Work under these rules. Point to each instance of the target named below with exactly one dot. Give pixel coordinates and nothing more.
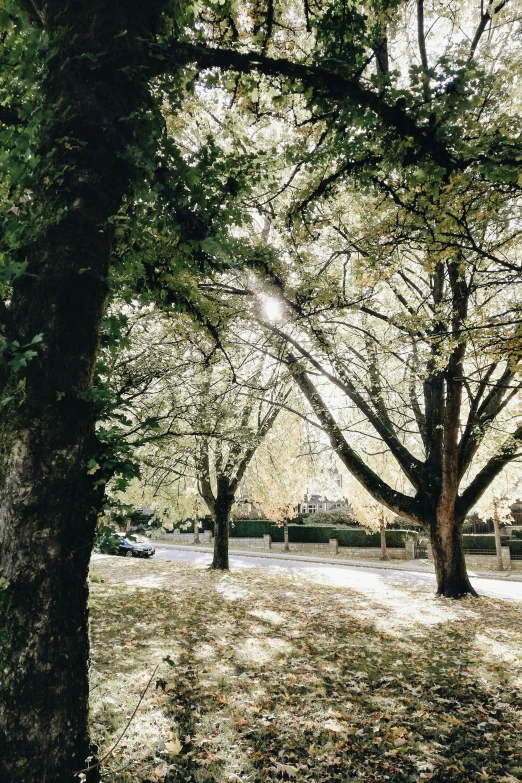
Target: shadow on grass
(276, 678)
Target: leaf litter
(287, 677)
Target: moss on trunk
(48, 501)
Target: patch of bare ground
(275, 675)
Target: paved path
(348, 575)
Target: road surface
(347, 575)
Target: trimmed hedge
(349, 537)
(394, 538)
(515, 547)
(488, 542)
(251, 528)
(314, 534)
(479, 542)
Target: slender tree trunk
(222, 508)
(285, 536)
(448, 555)
(47, 497)
(196, 522)
(384, 553)
(498, 542)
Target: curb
(386, 565)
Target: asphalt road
(346, 575)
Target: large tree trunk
(47, 497)
(448, 556)
(222, 508)
(46, 535)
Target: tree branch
(334, 84)
(412, 467)
(421, 36)
(396, 501)
(484, 19)
(490, 471)
(204, 483)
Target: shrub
(488, 542)
(394, 538)
(251, 528)
(479, 542)
(310, 534)
(333, 518)
(515, 547)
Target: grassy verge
(281, 676)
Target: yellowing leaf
(174, 747)
(287, 769)
(334, 725)
(452, 720)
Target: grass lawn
(281, 675)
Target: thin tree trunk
(196, 522)
(448, 556)
(498, 542)
(384, 553)
(222, 508)
(285, 536)
(47, 497)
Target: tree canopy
(342, 178)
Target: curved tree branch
(396, 501)
(334, 84)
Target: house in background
(313, 501)
(516, 512)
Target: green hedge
(515, 546)
(353, 537)
(394, 538)
(251, 528)
(479, 542)
(488, 542)
(314, 534)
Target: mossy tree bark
(47, 498)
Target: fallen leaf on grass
(174, 747)
(334, 725)
(285, 769)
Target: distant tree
(195, 413)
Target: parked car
(129, 548)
